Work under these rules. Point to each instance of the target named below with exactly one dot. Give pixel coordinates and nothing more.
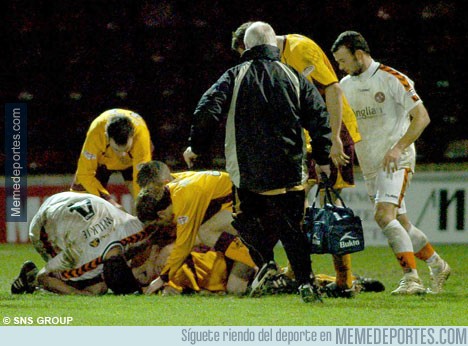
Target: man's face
(347, 62)
(166, 216)
(121, 150)
(240, 50)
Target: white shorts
(389, 188)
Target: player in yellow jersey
(207, 270)
(194, 202)
(118, 140)
(306, 57)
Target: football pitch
(366, 309)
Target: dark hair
(238, 36)
(152, 172)
(150, 201)
(352, 40)
(119, 277)
(120, 128)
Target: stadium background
(71, 60)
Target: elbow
(427, 121)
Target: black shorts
(103, 174)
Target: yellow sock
(344, 277)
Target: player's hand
(337, 154)
(391, 158)
(170, 291)
(190, 157)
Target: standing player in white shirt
(391, 116)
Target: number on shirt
(84, 208)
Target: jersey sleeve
(88, 164)
(320, 72)
(403, 91)
(189, 206)
(313, 65)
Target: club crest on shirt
(182, 220)
(308, 70)
(95, 242)
(379, 97)
(88, 155)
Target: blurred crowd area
(71, 60)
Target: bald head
(259, 33)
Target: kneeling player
(83, 239)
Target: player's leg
(390, 190)
(218, 232)
(438, 268)
(26, 281)
(52, 283)
(239, 278)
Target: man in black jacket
(267, 105)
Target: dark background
(71, 60)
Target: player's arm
(141, 153)
(88, 164)
(323, 74)
(334, 102)
(186, 237)
(420, 120)
(209, 111)
(52, 283)
(402, 91)
(316, 120)
(190, 205)
(50, 278)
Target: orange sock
(234, 248)
(425, 253)
(344, 277)
(407, 261)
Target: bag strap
(326, 184)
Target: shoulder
(346, 80)
(391, 73)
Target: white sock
(433, 259)
(397, 237)
(418, 238)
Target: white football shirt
(381, 98)
(73, 229)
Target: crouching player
(199, 205)
(84, 240)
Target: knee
(383, 216)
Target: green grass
(370, 309)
